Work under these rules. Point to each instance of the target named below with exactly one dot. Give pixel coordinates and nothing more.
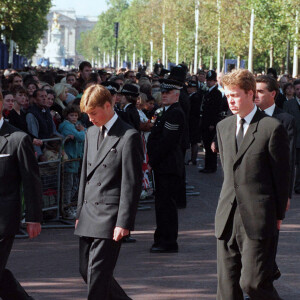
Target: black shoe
(128, 239)
(207, 171)
(297, 192)
(247, 298)
(191, 162)
(163, 249)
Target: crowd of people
(171, 110)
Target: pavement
(48, 265)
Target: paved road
(48, 265)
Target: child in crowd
(74, 149)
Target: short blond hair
(93, 96)
(244, 79)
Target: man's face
(100, 115)
(297, 91)
(149, 105)
(132, 77)
(20, 98)
(119, 82)
(85, 73)
(71, 80)
(201, 77)
(17, 81)
(210, 83)
(239, 101)
(169, 97)
(264, 98)
(283, 81)
(41, 98)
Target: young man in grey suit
(18, 165)
(254, 152)
(109, 191)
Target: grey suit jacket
(257, 176)
(111, 181)
(18, 165)
(292, 107)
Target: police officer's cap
(211, 75)
(130, 90)
(113, 87)
(170, 84)
(163, 72)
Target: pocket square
(4, 155)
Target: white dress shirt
(247, 119)
(1, 122)
(109, 124)
(270, 110)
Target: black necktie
(240, 135)
(101, 137)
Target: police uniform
(211, 115)
(166, 160)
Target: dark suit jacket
(164, 143)
(292, 107)
(111, 181)
(288, 122)
(19, 166)
(257, 177)
(132, 117)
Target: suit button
(97, 203)
(99, 183)
(85, 201)
(89, 164)
(88, 182)
(104, 166)
(236, 186)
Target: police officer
(166, 160)
(211, 115)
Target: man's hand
(288, 204)
(33, 229)
(37, 142)
(119, 233)
(279, 224)
(76, 223)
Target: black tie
(101, 137)
(240, 135)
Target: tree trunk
(196, 35)
(250, 55)
(133, 58)
(271, 56)
(238, 62)
(177, 47)
(163, 44)
(211, 65)
(219, 37)
(295, 59)
(287, 71)
(200, 59)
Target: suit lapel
(110, 140)
(249, 136)
(231, 137)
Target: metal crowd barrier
(50, 172)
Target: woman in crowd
(31, 86)
(49, 104)
(8, 103)
(130, 94)
(61, 91)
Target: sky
(82, 7)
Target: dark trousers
(210, 157)
(166, 193)
(297, 176)
(10, 288)
(97, 260)
(244, 264)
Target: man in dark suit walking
(18, 166)
(293, 107)
(110, 187)
(254, 152)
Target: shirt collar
(111, 122)
(249, 117)
(126, 106)
(298, 100)
(1, 122)
(270, 110)
(211, 88)
(166, 107)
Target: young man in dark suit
(18, 165)
(254, 152)
(109, 191)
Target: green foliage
(25, 22)
(141, 21)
